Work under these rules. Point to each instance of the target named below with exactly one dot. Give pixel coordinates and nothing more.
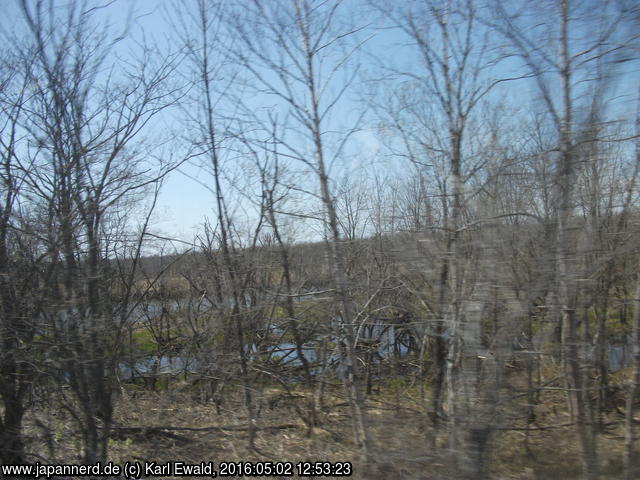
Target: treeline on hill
(474, 314)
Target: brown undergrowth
(166, 426)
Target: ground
(179, 428)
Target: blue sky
(184, 203)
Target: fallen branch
(548, 427)
(163, 430)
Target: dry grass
(403, 450)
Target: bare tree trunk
(297, 53)
(352, 379)
(203, 65)
(439, 350)
(11, 443)
(630, 466)
(576, 395)
(290, 309)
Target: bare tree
(84, 164)
(435, 119)
(295, 52)
(208, 60)
(629, 465)
(22, 265)
(577, 54)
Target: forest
(420, 257)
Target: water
(154, 365)
(388, 340)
